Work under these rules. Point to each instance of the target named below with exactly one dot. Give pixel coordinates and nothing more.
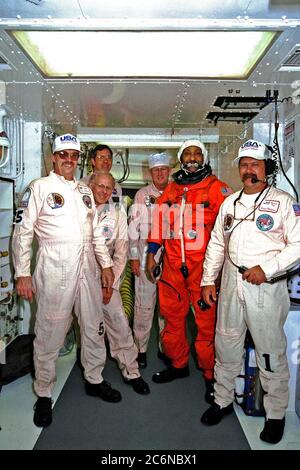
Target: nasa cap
(252, 149)
(65, 142)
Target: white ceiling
(172, 105)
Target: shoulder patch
(228, 221)
(226, 191)
(296, 208)
(87, 201)
(25, 198)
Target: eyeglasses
(103, 187)
(64, 155)
(160, 169)
(102, 157)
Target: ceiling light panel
(144, 54)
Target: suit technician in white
(257, 237)
(139, 227)
(60, 212)
(112, 222)
(101, 160)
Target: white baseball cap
(195, 143)
(158, 159)
(252, 149)
(65, 142)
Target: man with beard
(182, 222)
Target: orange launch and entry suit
(190, 210)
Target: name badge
(269, 206)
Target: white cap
(158, 159)
(65, 142)
(252, 149)
(195, 143)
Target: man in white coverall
(112, 222)
(139, 226)
(257, 236)
(102, 160)
(61, 213)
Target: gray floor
(167, 419)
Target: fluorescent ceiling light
(150, 138)
(143, 54)
(132, 143)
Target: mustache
(249, 175)
(192, 164)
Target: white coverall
(272, 241)
(62, 215)
(145, 291)
(113, 224)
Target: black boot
(43, 412)
(103, 391)
(78, 359)
(215, 414)
(171, 373)
(209, 394)
(142, 360)
(163, 357)
(273, 430)
(139, 385)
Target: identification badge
(108, 228)
(269, 206)
(84, 189)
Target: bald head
(102, 184)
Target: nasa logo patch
(55, 200)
